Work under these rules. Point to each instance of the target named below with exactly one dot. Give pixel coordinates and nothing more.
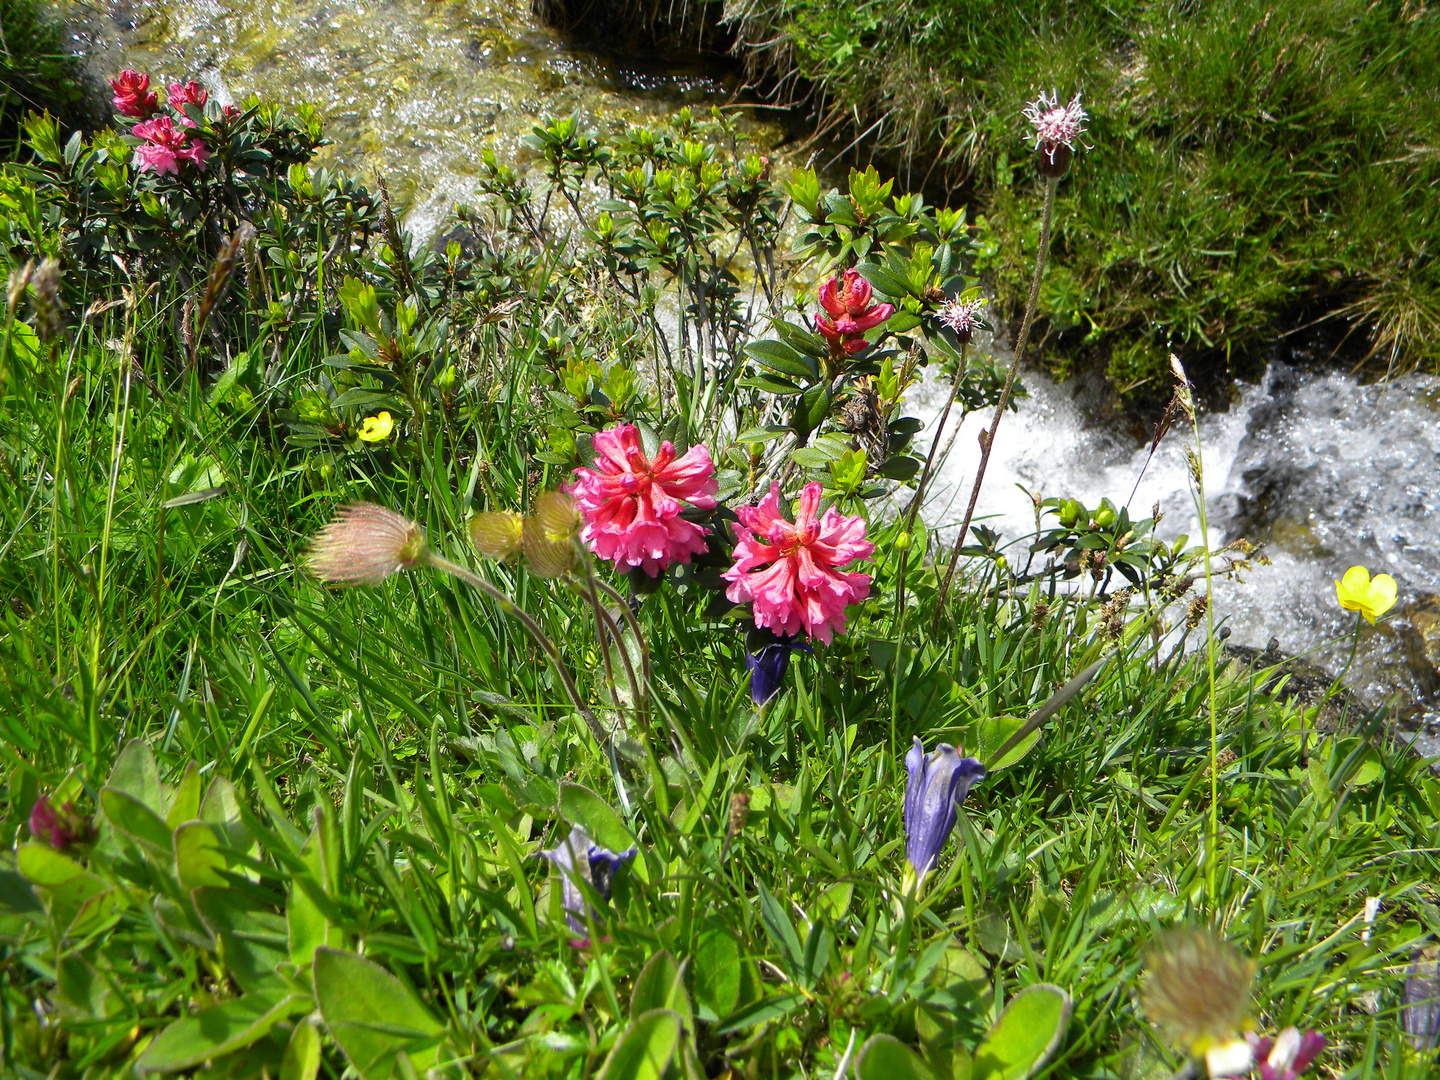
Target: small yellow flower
(376, 428)
(1372, 597)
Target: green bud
(902, 542)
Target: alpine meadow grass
(491, 804)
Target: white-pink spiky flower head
(1057, 127)
(364, 545)
(962, 316)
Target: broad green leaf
(660, 985)
(373, 1016)
(186, 806)
(757, 1012)
(221, 808)
(835, 901)
(940, 1045)
(780, 357)
(645, 1050)
(216, 1031)
(136, 775)
(302, 1053)
(136, 820)
(716, 965)
(253, 940)
(45, 867)
(197, 856)
(990, 735)
(18, 898)
(308, 926)
(581, 806)
(1025, 1035)
(884, 1057)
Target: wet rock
(1422, 643)
(1305, 683)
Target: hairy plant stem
(987, 439)
(914, 507)
(509, 607)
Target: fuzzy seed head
(545, 557)
(497, 534)
(364, 545)
(1197, 989)
(559, 516)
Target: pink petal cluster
(182, 94)
(166, 146)
(790, 572)
(848, 313)
(133, 96)
(631, 503)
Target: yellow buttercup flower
(376, 428)
(1372, 597)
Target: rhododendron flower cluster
(791, 573)
(632, 503)
(849, 314)
(166, 146)
(182, 94)
(133, 96)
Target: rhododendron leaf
(777, 356)
(771, 385)
(884, 281)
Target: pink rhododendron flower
(182, 94)
(133, 96)
(166, 146)
(848, 314)
(790, 573)
(631, 503)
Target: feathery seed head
(365, 544)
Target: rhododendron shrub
(632, 503)
(166, 146)
(790, 572)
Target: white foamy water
(1325, 472)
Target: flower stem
(914, 507)
(987, 439)
(508, 606)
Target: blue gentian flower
(938, 784)
(581, 859)
(768, 657)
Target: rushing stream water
(1324, 471)
(413, 89)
